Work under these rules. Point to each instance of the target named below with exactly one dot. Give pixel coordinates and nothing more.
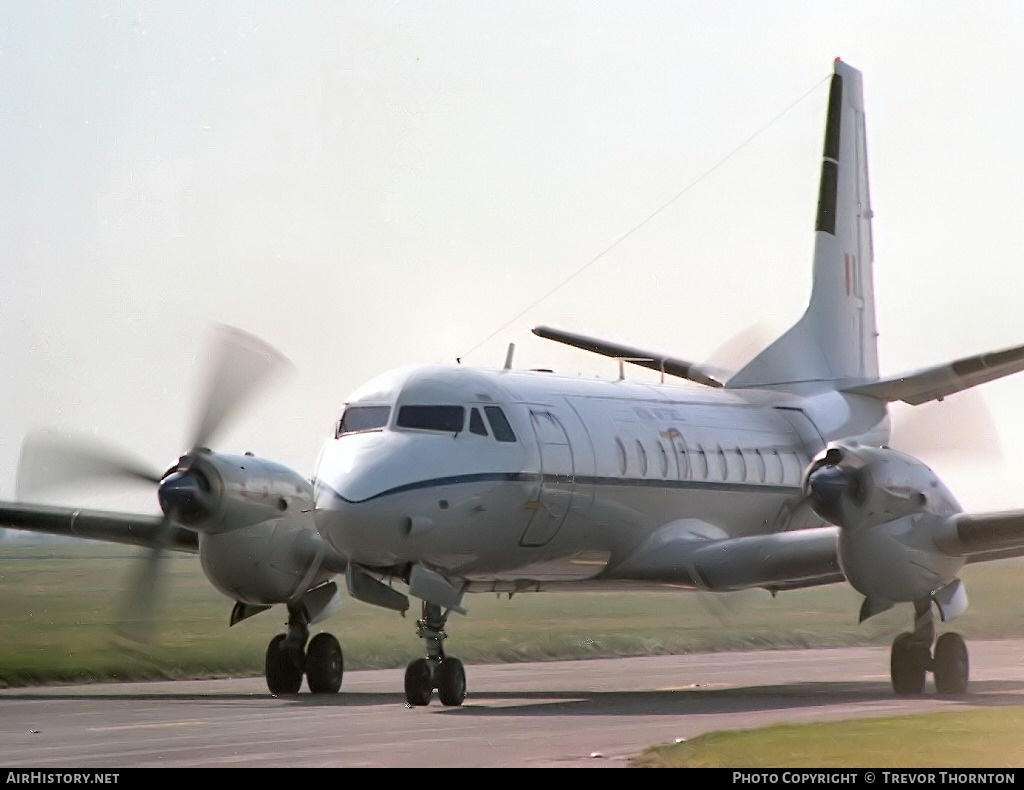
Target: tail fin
(836, 338)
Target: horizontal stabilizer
(646, 359)
(937, 382)
(110, 526)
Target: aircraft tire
(451, 682)
(325, 664)
(283, 677)
(952, 665)
(906, 668)
(419, 682)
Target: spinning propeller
(239, 364)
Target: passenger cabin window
(755, 465)
(773, 469)
(476, 423)
(449, 419)
(499, 424)
(682, 459)
(622, 456)
(700, 465)
(792, 468)
(362, 418)
(736, 464)
(641, 457)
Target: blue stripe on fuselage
(580, 480)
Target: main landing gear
(436, 671)
(289, 658)
(912, 657)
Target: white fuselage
(594, 468)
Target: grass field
(987, 739)
(59, 601)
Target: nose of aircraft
(357, 504)
(371, 533)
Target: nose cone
(185, 495)
(826, 487)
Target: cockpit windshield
(432, 418)
(362, 418)
(443, 418)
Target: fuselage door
(557, 483)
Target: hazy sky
(369, 184)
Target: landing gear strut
(437, 671)
(912, 656)
(288, 659)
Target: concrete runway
(573, 714)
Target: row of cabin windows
(731, 464)
(444, 419)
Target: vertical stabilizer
(836, 338)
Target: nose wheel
(437, 671)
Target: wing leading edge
(109, 526)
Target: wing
(691, 553)
(697, 555)
(982, 537)
(101, 525)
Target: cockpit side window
(362, 418)
(499, 424)
(432, 418)
(476, 423)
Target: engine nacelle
(271, 562)
(214, 492)
(891, 509)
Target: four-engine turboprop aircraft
(443, 480)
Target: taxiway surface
(594, 714)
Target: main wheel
(419, 682)
(906, 667)
(451, 682)
(283, 676)
(952, 665)
(324, 664)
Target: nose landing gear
(436, 671)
